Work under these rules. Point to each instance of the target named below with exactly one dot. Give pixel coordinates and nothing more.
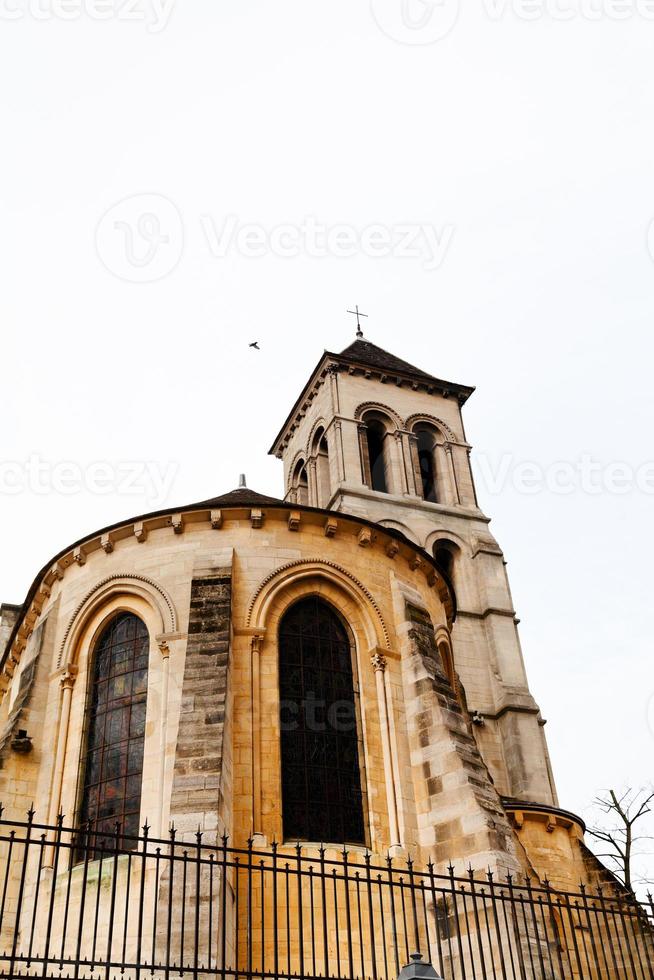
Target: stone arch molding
(442, 534)
(318, 424)
(111, 587)
(432, 420)
(294, 572)
(300, 457)
(378, 407)
(402, 528)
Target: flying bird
(255, 345)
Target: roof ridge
(367, 352)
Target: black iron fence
(76, 904)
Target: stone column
(378, 661)
(366, 475)
(415, 464)
(445, 486)
(163, 731)
(256, 645)
(312, 479)
(403, 486)
(67, 684)
(456, 496)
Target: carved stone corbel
(331, 527)
(392, 549)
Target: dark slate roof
(364, 352)
(243, 497)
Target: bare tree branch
(624, 810)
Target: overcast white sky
(510, 156)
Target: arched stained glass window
(322, 795)
(113, 765)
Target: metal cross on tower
(355, 312)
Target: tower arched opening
(376, 451)
(300, 483)
(427, 436)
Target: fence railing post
(469, 927)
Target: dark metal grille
(321, 781)
(113, 766)
(193, 908)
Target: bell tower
(374, 436)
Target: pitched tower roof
(369, 357)
(363, 352)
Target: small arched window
(300, 484)
(323, 480)
(322, 795)
(444, 560)
(115, 728)
(426, 462)
(376, 454)
(447, 661)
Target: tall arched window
(322, 795)
(426, 462)
(113, 764)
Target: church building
(294, 736)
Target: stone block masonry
(196, 791)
